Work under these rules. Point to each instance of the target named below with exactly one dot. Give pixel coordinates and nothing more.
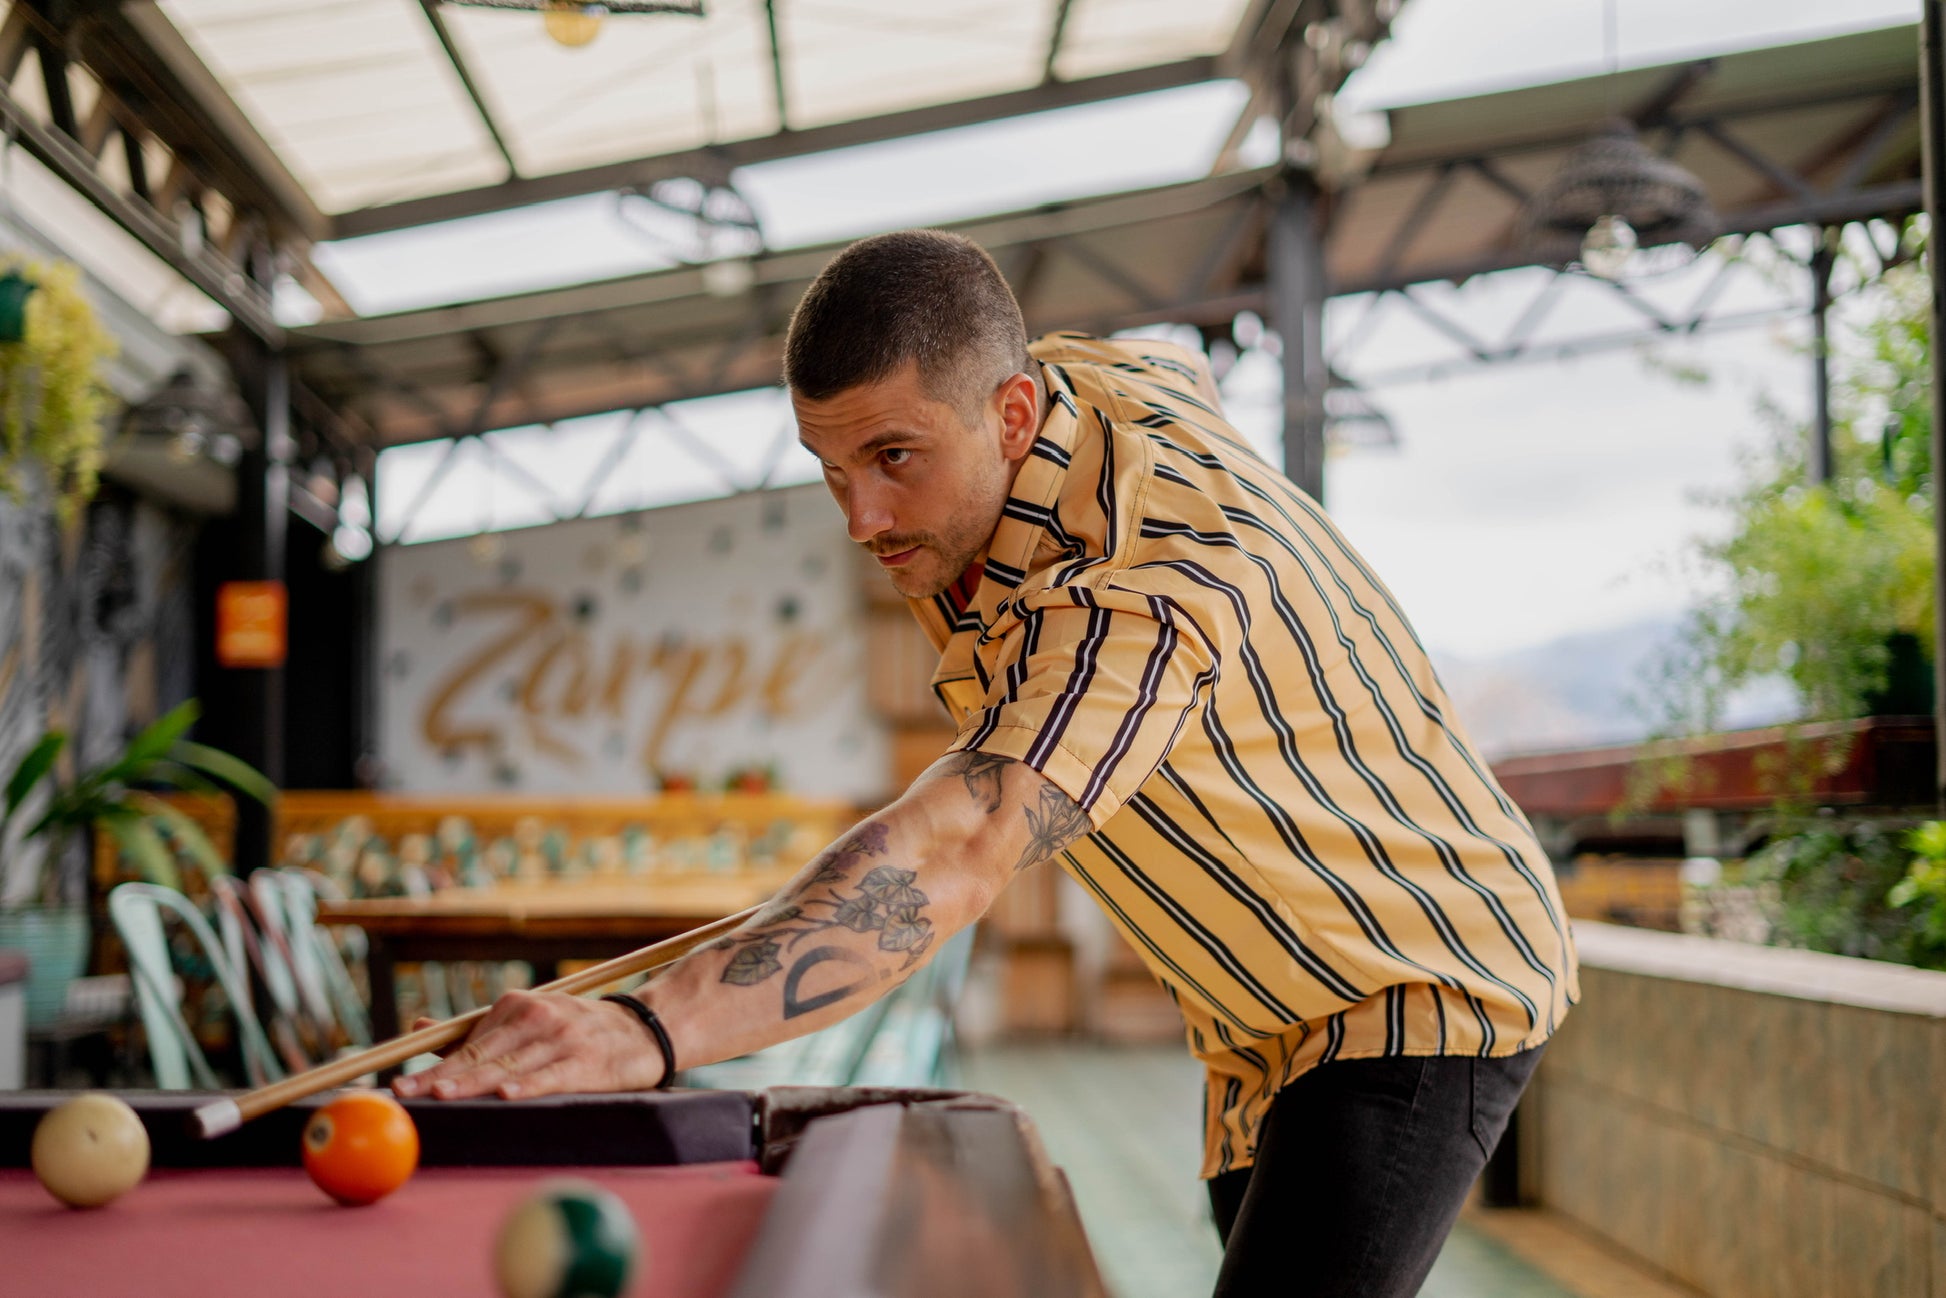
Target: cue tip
(218, 1118)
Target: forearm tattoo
(884, 902)
(1052, 824)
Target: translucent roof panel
(356, 96)
(648, 84)
(846, 59)
(368, 108)
(1108, 35)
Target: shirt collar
(1011, 554)
(1013, 551)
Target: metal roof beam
(1417, 218)
(1570, 134)
(992, 232)
(1893, 199)
(226, 282)
(717, 159)
(137, 54)
(1223, 253)
(1656, 109)
(1258, 37)
(1054, 37)
(1785, 179)
(1429, 371)
(431, 9)
(13, 42)
(1897, 116)
(54, 78)
(1110, 273)
(777, 66)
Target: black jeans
(1362, 1168)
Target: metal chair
(137, 911)
(317, 954)
(253, 949)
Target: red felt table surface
(269, 1232)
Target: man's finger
(554, 1077)
(472, 1068)
(495, 1072)
(497, 1034)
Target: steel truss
(122, 112)
(1875, 246)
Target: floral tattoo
(884, 902)
(1056, 822)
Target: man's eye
(896, 455)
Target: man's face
(921, 488)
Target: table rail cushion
(646, 1129)
(949, 1198)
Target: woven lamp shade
(1616, 175)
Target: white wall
(696, 638)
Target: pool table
(794, 1192)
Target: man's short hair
(922, 296)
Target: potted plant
(52, 924)
(53, 394)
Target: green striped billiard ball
(570, 1239)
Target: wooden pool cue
(225, 1115)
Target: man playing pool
(1173, 676)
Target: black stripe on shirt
(1281, 933)
(1437, 783)
(1374, 848)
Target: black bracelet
(653, 1022)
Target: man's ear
(1020, 415)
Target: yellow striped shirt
(1289, 824)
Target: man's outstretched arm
(852, 925)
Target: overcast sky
(1524, 503)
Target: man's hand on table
(854, 923)
(543, 1043)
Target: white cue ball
(90, 1150)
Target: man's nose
(866, 514)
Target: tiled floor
(1124, 1125)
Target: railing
(1754, 1122)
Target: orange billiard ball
(361, 1147)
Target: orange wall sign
(251, 623)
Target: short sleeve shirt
(1288, 823)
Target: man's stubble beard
(952, 549)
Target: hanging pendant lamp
(574, 23)
(1617, 209)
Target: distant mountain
(1577, 692)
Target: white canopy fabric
(364, 104)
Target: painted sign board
(610, 656)
(252, 623)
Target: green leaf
(177, 776)
(233, 771)
(137, 837)
(38, 761)
(152, 743)
(194, 842)
(1929, 840)
(61, 813)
